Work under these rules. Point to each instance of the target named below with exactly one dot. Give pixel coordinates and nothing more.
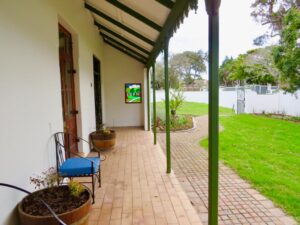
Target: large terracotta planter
(78, 216)
(103, 141)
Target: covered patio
(64, 70)
(136, 188)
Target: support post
(212, 7)
(154, 103)
(167, 104)
(148, 99)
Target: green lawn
(263, 150)
(193, 108)
(266, 152)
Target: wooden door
(67, 87)
(97, 91)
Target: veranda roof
(138, 28)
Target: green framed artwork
(133, 93)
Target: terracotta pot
(79, 216)
(103, 141)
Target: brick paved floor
(135, 187)
(238, 202)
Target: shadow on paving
(239, 203)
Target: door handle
(74, 112)
(71, 71)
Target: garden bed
(177, 123)
(280, 116)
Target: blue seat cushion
(79, 166)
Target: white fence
(277, 102)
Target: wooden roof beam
(173, 17)
(167, 3)
(135, 14)
(118, 24)
(100, 26)
(123, 46)
(125, 52)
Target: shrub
(75, 188)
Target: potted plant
(103, 138)
(70, 202)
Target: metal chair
(76, 166)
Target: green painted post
(212, 7)
(148, 99)
(167, 105)
(154, 102)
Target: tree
(287, 54)
(225, 70)
(188, 65)
(271, 13)
(254, 67)
(160, 77)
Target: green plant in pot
(103, 138)
(70, 202)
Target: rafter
(173, 17)
(167, 3)
(123, 46)
(135, 14)
(117, 23)
(100, 26)
(122, 50)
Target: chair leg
(99, 177)
(93, 188)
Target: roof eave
(175, 18)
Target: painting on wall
(133, 93)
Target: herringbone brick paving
(239, 203)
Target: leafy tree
(287, 54)
(254, 67)
(225, 70)
(160, 77)
(271, 13)
(260, 40)
(188, 65)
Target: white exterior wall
(120, 69)
(30, 92)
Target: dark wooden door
(67, 87)
(97, 91)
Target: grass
(266, 152)
(193, 108)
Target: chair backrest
(61, 145)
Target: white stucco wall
(120, 69)
(30, 93)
